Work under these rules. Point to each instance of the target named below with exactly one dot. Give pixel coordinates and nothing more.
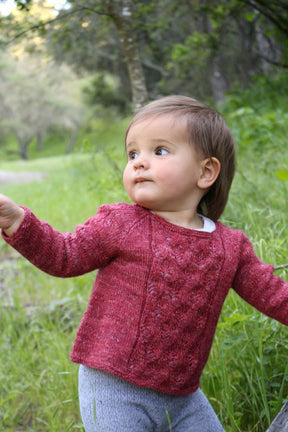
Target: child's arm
(11, 215)
(93, 244)
(256, 283)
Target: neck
(184, 218)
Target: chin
(148, 205)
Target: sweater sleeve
(90, 247)
(255, 282)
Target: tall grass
(246, 375)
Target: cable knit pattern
(159, 291)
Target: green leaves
(24, 5)
(282, 175)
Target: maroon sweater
(158, 293)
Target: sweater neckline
(176, 228)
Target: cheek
(168, 174)
(173, 179)
(126, 177)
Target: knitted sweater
(158, 293)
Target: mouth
(142, 180)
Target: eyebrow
(129, 144)
(153, 140)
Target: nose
(140, 162)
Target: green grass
(246, 376)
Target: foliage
(256, 131)
(197, 48)
(264, 93)
(113, 19)
(276, 12)
(23, 4)
(36, 97)
(105, 92)
(247, 369)
(253, 349)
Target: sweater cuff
(18, 233)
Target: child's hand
(11, 215)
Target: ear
(210, 169)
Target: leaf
(250, 16)
(242, 112)
(282, 175)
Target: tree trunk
(23, 147)
(123, 20)
(40, 141)
(72, 139)
(218, 82)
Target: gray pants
(110, 404)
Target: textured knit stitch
(159, 291)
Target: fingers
(11, 215)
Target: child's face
(163, 168)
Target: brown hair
(210, 136)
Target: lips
(141, 180)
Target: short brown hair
(210, 136)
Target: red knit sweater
(158, 293)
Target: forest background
(70, 79)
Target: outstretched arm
(11, 215)
(93, 244)
(256, 283)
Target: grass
(246, 375)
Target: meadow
(246, 378)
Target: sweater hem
(135, 380)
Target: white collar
(209, 225)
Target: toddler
(165, 268)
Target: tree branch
(153, 66)
(270, 13)
(281, 267)
(273, 62)
(40, 25)
(63, 15)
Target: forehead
(158, 126)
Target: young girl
(165, 268)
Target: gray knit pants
(110, 404)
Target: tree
(199, 48)
(121, 14)
(34, 98)
(275, 12)
(202, 48)
(224, 43)
(272, 18)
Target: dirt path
(8, 177)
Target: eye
(161, 151)
(132, 155)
